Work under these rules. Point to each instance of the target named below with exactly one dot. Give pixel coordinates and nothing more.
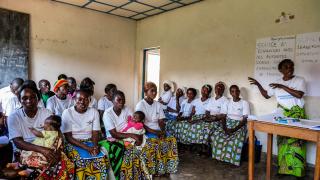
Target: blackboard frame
(14, 45)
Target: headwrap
(58, 84)
(183, 89)
(209, 87)
(170, 83)
(219, 83)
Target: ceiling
(132, 9)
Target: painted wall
(214, 40)
(79, 43)
(204, 43)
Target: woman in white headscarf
(174, 104)
(168, 90)
(173, 109)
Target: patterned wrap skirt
(64, 169)
(161, 155)
(192, 133)
(158, 156)
(292, 152)
(87, 166)
(225, 147)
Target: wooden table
(283, 130)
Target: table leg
(317, 167)
(251, 150)
(269, 157)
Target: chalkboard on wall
(14, 46)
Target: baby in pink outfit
(135, 126)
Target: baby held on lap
(49, 137)
(135, 126)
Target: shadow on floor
(202, 168)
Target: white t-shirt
(215, 105)
(166, 96)
(200, 106)
(19, 123)
(284, 98)
(186, 108)
(81, 125)
(153, 113)
(3, 95)
(93, 102)
(11, 103)
(173, 104)
(104, 103)
(5, 90)
(112, 121)
(41, 104)
(57, 106)
(236, 110)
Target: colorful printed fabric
(33, 159)
(87, 166)
(64, 169)
(225, 147)
(115, 153)
(134, 165)
(292, 151)
(294, 112)
(170, 123)
(196, 133)
(50, 139)
(126, 162)
(291, 156)
(58, 84)
(160, 156)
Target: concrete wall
(79, 43)
(214, 40)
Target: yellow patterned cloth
(48, 139)
(87, 166)
(159, 156)
(36, 159)
(64, 169)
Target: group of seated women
(215, 122)
(68, 134)
(60, 137)
(58, 134)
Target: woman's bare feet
(14, 166)
(25, 173)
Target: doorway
(151, 67)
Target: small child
(44, 86)
(50, 137)
(135, 126)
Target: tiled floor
(195, 167)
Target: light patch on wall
(284, 18)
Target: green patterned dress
(226, 147)
(292, 151)
(196, 133)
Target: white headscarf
(184, 90)
(170, 83)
